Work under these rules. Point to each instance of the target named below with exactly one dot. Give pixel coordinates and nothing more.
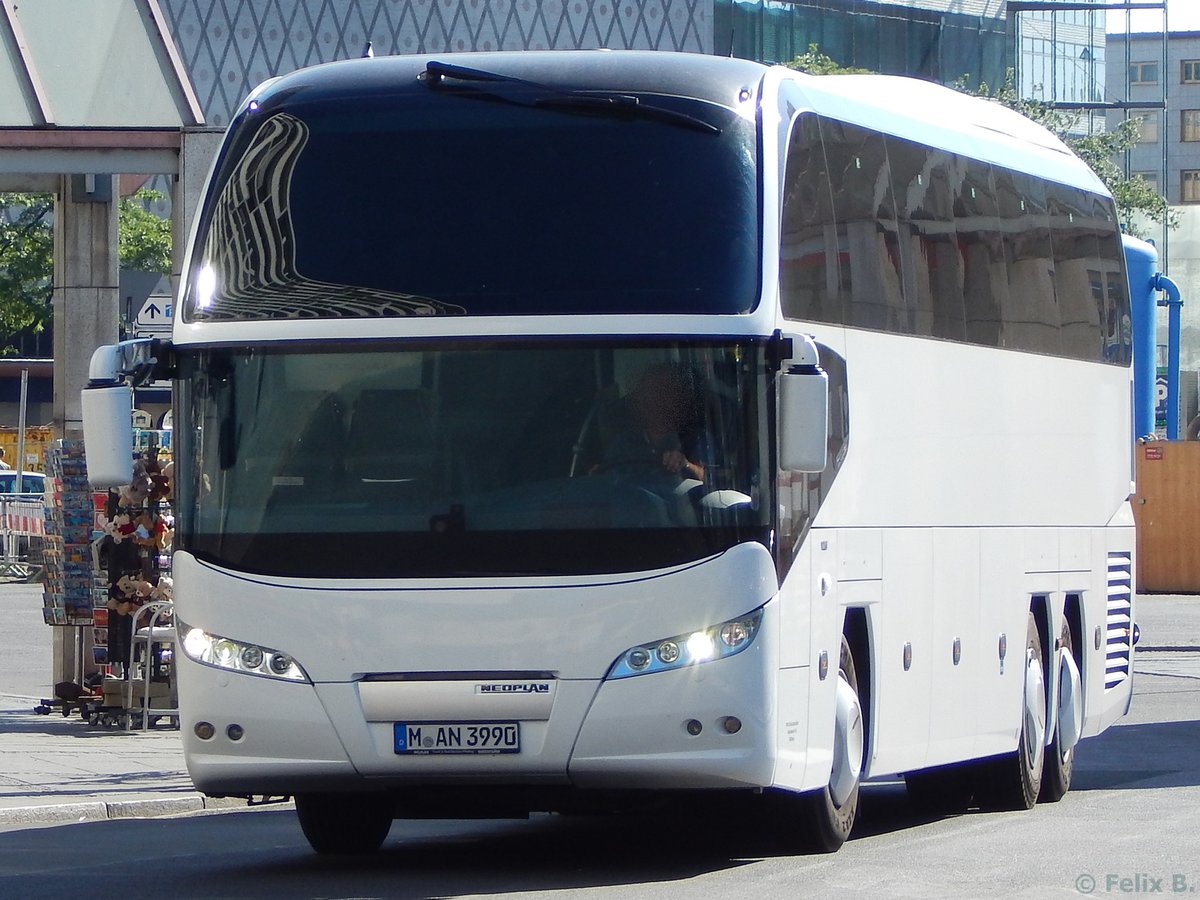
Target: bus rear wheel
(1060, 755)
(1012, 781)
(345, 823)
(830, 812)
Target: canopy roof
(95, 87)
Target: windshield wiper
(597, 103)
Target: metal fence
(22, 526)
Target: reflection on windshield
(473, 459)
(437, 205)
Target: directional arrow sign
(154, 317)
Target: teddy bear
(164, 590)
(148, 530)
(168, 475)
(137, 492)
(120, 527)
(123, 596)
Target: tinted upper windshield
(471, 460)
(458, 202)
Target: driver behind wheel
(656, 425)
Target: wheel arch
(1043, 616)
(856, 629)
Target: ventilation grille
(1119, 628)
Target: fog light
(733, 634)
(204, 730)
(693, 727)
(235, 732)
(731, 724)
(252, 657)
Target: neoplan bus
(575, 430)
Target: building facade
(1147, 69)
(940, 40)
(230, 46)
(1164, 77)
(1060, 58)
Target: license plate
(428, 738)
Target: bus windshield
(471, 459)
(448, 203)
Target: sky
(1182, 15)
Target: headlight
(236, 656)
(715, 642)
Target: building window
(1143, 73)
(1151, 178)
(1148, 128)
(1191, 125)
(1191, 71)
(1191, 185)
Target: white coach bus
(578, 430)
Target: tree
(26, 263)
(27, 254)
(144, 237)
(814, 62)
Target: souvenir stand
(69, 585)
(131, 553)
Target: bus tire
(345, 823)
(1013, 781)
(829, 812)
(1060, 763)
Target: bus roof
(921, 111)
(937, 116)
(712, 78)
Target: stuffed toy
(122, 596)
(120, 527)
(149, 530)
(137, 492)
(164, 590)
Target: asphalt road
(1128, 827)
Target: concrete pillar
(197, 150)
(86, 296)
(86, 308)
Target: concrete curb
(99, 810)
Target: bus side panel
(955, 713)
(1108, 617)
(824, 639)
(903, 617)
(1003, 609)
(792, 689)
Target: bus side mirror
(803, 410)
(107, 404)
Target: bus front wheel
(345, 823)
(830, 811)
